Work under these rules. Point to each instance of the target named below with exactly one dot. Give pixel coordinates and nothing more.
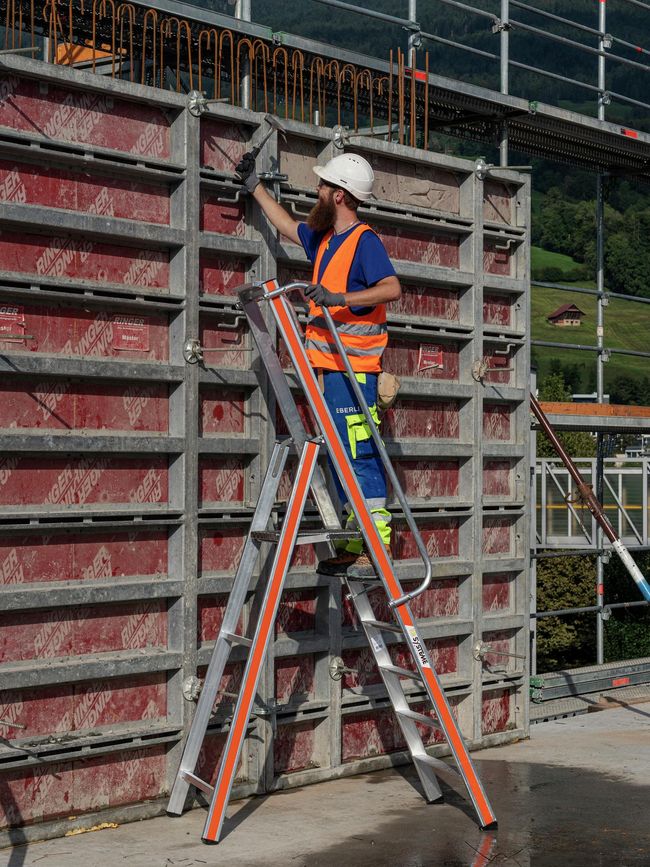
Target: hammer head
(275, 124)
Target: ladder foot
(440, 799)
(492, 826)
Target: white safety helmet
(350, 172)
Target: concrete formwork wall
(129, 477)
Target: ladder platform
(197, 782)
(383, 626)
(402, 672)
(233, 638)
(419, 717)
(307, 537)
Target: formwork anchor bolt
(192, 350)
(340, 136)
(192, 687)
(338, 668)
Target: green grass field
(627, 326)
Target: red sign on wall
(430, 356)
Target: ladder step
(233, 638)
(307, 537)
(402, 672)
(384, 627)
(197, 782)
(419, 717)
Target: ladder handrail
(385, 459)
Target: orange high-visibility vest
(364, 337)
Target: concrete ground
(575, 795)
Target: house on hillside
(568, 315)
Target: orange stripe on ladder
(258, 650)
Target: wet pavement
(577, 794)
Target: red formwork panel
(440, 599)
(497, 261)
(424, 479)
(221, 217)
(295, 747)
(498, 310)
(440, 535)
(220, 274)
(295, 678)
(432, 302)
(83, 117)
(67, 189)
(210, 614)
(377, 732)
(95, 480)
(497, 478)
(223, 346)
(47, 633)
(500, 367)
(85, 706)
(68, 788)
(36, 558)
(220, 550)
(305, 413)
(303, 559)
(422, 419)
(498, 591)
(223, 144)
(222, 481)
(497, 424)
(229, 686)
(62, 329)
(297, 611)
(64, 404)
(223, 411)
(443, 653)
(496, 711)
(498, 202)
(402, 357)
(421, 246)
(416, 184)
(498, 536)
(500, 642)
(79, 258)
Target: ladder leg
(235, 740)
(222, 647)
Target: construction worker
(354, 278)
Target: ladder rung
(385, 627)
(197, 782)
(419, 717)
(307, 536)
(402, 672)
(233, 638)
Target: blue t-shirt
(370, 264)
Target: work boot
(339, 565)
(363, 569)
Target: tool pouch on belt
(387, 388)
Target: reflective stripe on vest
(364, 337)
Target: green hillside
(627, 326)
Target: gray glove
(322, 297)
(245, 168)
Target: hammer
(275, 125)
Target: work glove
(245, 168)
(322, 297)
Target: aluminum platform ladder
(310, 482)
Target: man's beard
(322, 215)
